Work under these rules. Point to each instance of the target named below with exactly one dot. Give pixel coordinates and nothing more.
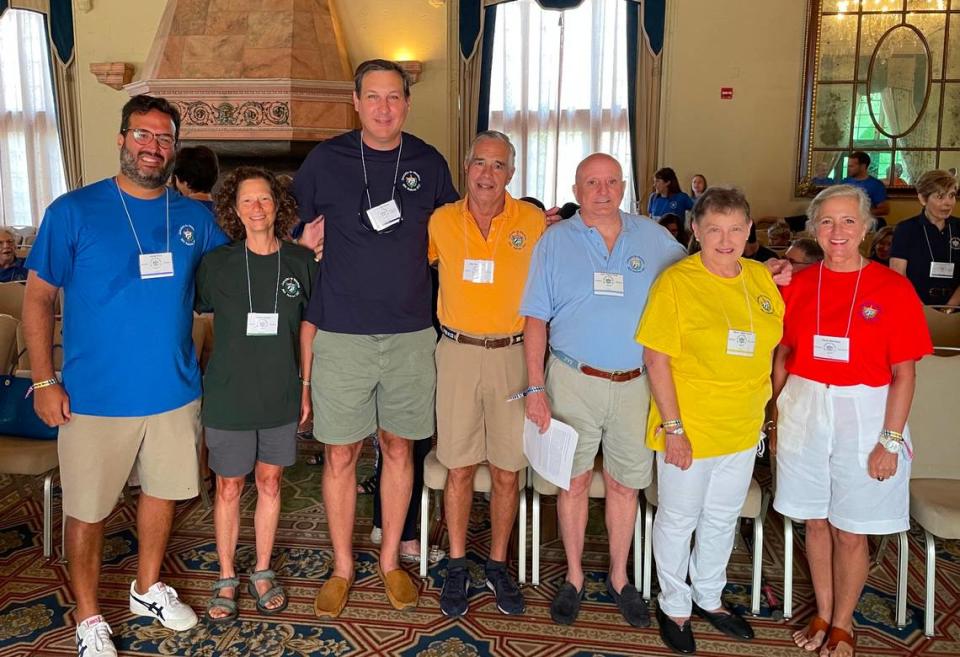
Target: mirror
(879, 77)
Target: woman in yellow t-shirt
(709, 331)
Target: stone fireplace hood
(252, 78)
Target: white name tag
(156, 265)
(384, 215)
(262, 323)
(828, 347)
(609, 285)
(478, 271)
(941, 269)
(741, 343)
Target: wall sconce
(113, 74)
(413, 68)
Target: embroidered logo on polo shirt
(411, 181)
(290, 287)
(635, 264)
(765, 304)
(955, 243)
(187, 235)
(518, 239)
(870, 311)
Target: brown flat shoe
(332, 597)
(401, 591)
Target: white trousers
(706, 498)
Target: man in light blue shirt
(589, 280)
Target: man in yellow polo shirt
(482, 246)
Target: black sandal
(220, 602)
(275, 591)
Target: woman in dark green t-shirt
(256, 387)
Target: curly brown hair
(226, 203)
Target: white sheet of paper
(551, 453)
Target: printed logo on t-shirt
(870, 311)
(766, 305)
(674, 205)
(518, 239)
(955, 243)
(188, 235)
(411, 181)
(635, 264)
(290, 287)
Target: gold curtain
(647, 100)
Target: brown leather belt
(616, 377)
(486, 343)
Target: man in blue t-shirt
(124, 251)
(375, 189)
(857, 175)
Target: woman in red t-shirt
(843, 381)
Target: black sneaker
(632, 606)
(566, 604)
(509, 598)
(731, 624)
(453, 596)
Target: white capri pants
(825, 435)
(707, 498)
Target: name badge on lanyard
(262, 323)
(941, 269)
(829, 347)
(156, 265)
(741, 343)
(608, 285)
(384, 215)
(478, 271)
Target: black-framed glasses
(365, 204)
(143, 137)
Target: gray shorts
(234, 453)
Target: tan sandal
(808, 633)
(838, 637)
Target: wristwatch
(890, 444)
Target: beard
(128, 165)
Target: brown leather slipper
(401, 591)
(332, 597)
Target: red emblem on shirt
(869, 311)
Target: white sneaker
(93, 638)
(376, 535)
(161, 602)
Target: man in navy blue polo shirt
(374, 350)
(857, 176)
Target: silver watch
(890, 444)
(675, 431)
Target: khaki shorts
(361, 382)
(475, 422)
(98, 453)
(607, 413)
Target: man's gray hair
(492, 134)
(840, 191)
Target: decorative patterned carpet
(36, 607)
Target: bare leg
(396, 484)
(265, 521)
(819, 546)
(457, 500)
(851, 563)
(503, 510)
(154, 520)
(340, 502)
(84, 547)
(621, 515)
(572, 508)
(226, 525)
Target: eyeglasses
(143, 137)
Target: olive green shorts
(361, 382)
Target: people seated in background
(926, 247)
(779, 235)
(482, 247)
(882, 245)
(822, 176)
(802, 253)
(698, 185)
(674, 224)
(898, 180)
(754, 250)
(843, 379)
(709, 330)
(11, 267)
(589, 279)
(857, 166)
(667, 197)
(195, 173)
